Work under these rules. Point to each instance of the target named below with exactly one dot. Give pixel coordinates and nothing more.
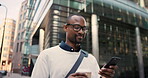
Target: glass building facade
(117, 22)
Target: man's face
(76, 30)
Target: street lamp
(3, 28)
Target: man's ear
(65, 28)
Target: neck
(73, 45)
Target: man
(57, 61)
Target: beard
(78, 38)
(75, 38)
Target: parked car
(3, 72)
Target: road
(15, 75)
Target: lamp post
(3, 29)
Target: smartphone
(113, 61)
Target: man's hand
(78, 75)
(108, 72)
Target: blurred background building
(116, 28)
(19, 37)
(24, 27)
(8, 41)
(142, 3)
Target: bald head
(75, 30)
(75, 18)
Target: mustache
(80, 34)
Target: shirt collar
(66, 47)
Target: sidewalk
(15, 75)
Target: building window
(19, 26)
(21, 46)
(11, 44)
(3, 63)
(22, 34)
(17, 47)
(5, 48)
(4, 55)
(18, 37)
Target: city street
(49, 32)
(15, 75)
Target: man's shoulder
(88, 54)
(54, 47)
(91, 55)
(51, 49)
(49, 53)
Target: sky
(13, 7)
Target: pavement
(15, 75)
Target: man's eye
(77, 27)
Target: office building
(116, 28)
(23, 29)
(19, 37)
(7, 46)
(142, 3)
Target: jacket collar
(66, 47)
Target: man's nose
(81, 31)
